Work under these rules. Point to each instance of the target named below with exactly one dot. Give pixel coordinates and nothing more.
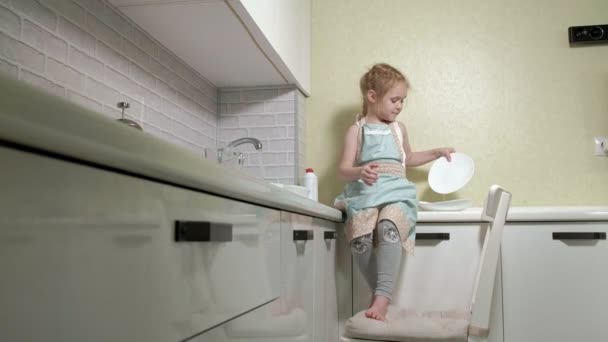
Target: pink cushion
(410, 326)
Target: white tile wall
(88, 52)
(268, 114)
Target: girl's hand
(445, 152)
(368, 175)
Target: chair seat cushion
(410, 326)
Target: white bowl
(446, 177)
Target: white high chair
(409, 326)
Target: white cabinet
(326, 300)
(307, 309)
(555, 281)
(235, 42)
(91, 255)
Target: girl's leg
(388, 261)
(361, 249)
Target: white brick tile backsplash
(142, 77)
(68, 9)
(43, 83)
(136, 54)
(170, 109)
(279, 107)
(231, 134)
(101, 92)
(285, 94)
(156, 118)
(256, 120)
(103, 32)
(278, 171)
(121, 82)
(285, 145)
(256, 95)
(141, 40)
(285, 119)
(229, 121)
(245, 108)
(112, 58)
(16, 51)
(94, 6)
(166, 91)
(268, 132)
(85, 63)
(65, 75)
(34, 10)
(149, 98)
(76, 35)
(112, 18)
(230, 96)
(9, 22)
(274, 158)
(44, 41)
(9, 68)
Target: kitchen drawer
(440, 276)
(554, 281)
(90, 255)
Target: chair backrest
(495, 210)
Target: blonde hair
(380, 78)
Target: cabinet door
(326, 301)
(297, 272)
(90, 255)
(439, 276)
(555, 288)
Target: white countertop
(43, 123)
(521, 214)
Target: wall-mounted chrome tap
(255, 142)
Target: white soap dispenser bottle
(310, 182)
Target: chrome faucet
(255, 142)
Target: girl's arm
(346, 170)
(422, 157)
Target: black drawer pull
(303, 235)
(432, 236)
(329, 235)
(579, 236)
(201, 231)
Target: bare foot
(378, 308)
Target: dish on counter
(446, 177)
(452, 205)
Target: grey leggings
(380, 268)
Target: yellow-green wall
(495, 79)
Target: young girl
(379, 201)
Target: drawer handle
(202, 231)
(579, 236)
(329, 235)
(303, 235)
(432, 236)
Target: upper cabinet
(232, 43)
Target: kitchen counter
(522, 214)
(39, 122)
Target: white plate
(446, 177)
(453, 205)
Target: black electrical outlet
(588, 34)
